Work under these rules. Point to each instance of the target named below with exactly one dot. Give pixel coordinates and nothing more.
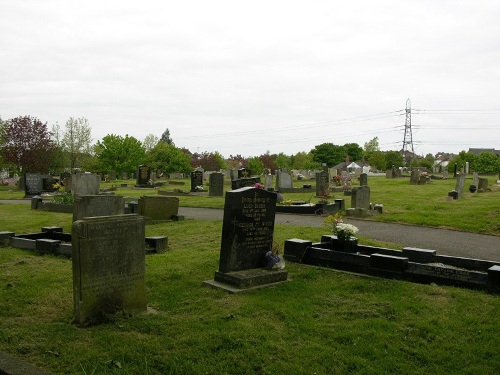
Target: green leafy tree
(283, 161)
(354, 151)
(167, 158)
(377, 160)
(27, 145)
(256, 165)
(393, 158)
(304, 160)
(329, 153)
(370, 147)
(119, 154)
(76, 140)
(460, 160)
(487, 163)
(150, 142)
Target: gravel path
(444, 241)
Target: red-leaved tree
(27, 145)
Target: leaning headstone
(196, 180)
(143, 176)
(247, 241)
(97, 205)
(360, 197)
(363, 179)
(85, 184)
(33, 184)
(216, 185)
(459, 187)
(158, 207)
(322, 184)
(109, 267)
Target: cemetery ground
(322, 321)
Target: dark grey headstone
(322, 184)
(244, 173)
(459, 187)
(247, 229)
(216, 185)
(97, 205)
(363, 179)
(196, 180)
(33, 184)
(143, 175)
(108, 267)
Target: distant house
(477, 151)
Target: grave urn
(347, 245)
(472, 188)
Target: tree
(268, 161)
(256, 165)
(354, 151)
(209, 161)
(165, 137)
(460, 160)
(304, 160)
(119, 154)
(76, 140)
(169, 159)
(27, 145)
(283, 161)
(236, 162)
(150, 142)
(329, 153)
(371, 146)
(487, 163)
(393, 158)
(377, 160)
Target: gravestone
(322, 184)
(196, 180)
(482, 184)
(360, 197)
(475, 179)
(283, 180)
(346, 181)
(268, 181)
(216, 184)
(97, 205)
(363, 179)
(33, 184)
(143, 176)
(85, 184)
(109, 267)
(459, 187)
(414, 177)
(158, 207)
(445, 174)
(247, 229)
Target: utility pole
(408, 138)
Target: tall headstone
(475, 179)
(268, 181)
(283, 180)
(322, 184)
(196, 180)
(143, 175)
(216, 185)
(414, 177)
(363, 179)
(85, 183)
(97, 205)
(459, 187)
(360, 197)
(247, 229)
(109, 267)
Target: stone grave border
(411, 264)
(52, 240)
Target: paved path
(444, 241)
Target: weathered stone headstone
(158, 207)
(475, 179)
(216, 185)
(97, 205)
(196, 180)
(363, 179)
(445, 174)
(85, 184)
(414, 177)
(247, 229)
(482, 184)
(360, 197)
(268, 181)
(33, 184)
(322, 184)
(143, 176)
(283, 180)
(108, 259)
(459, 187)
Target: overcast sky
(246, 77)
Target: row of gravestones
(79, 183)
(478, 185)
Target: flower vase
(347, 245)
